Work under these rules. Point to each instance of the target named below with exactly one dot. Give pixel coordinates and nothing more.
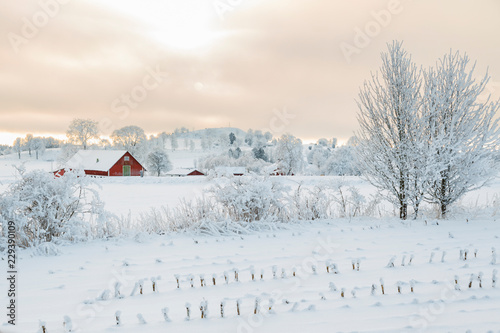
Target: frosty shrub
(234, 205)
(244, 204)
(311, 203)
(49, 209)
(250, 198)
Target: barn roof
(99, 160)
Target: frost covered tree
(389, 106)
(174, 143)
(104, 144)
(158, 162)
(342, 162)
(249, 137)
(67, 152)
(333, 143)
(129, 138)
(38, 145)
(462, 132)
(28, 143)
(51, 142)
(434, 143)
(81, 131)
(318, 155)
(322, 142)
(232, 138)
(259, 153)
(18, 146)
(288, 154)
(204, 143)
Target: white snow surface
(73, 282)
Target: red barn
(104, 163)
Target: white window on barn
(127, 158)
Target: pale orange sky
(218, 62)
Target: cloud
(264, 55)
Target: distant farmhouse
(112, 163)
(275, 170)
(230, 171)
(184, 173)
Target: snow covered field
(74, 283)
(80, 282)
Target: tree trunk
(443, 201)
(403, 209)
(443, 210)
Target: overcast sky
(283, 65)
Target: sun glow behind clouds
(179, 24)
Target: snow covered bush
(48, 209)
(249, 203)
(311, 203)
(250, 198)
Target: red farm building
(184, 173)
(104, 163)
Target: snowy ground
(74, 283)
